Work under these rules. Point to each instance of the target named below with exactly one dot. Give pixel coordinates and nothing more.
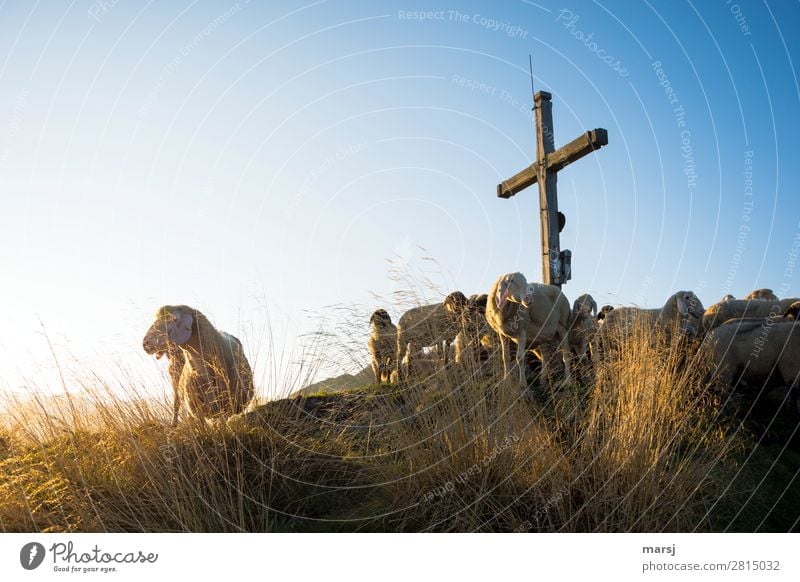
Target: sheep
(583, 324)
(382, 345)
(757, 350)
(534, 316)
(208, 368)
(582, 327)
(762, 295)
(475, 338)
(601, 316)
(681, 314)
(724, 311)
(792, 311)
(432, 325)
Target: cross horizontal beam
(558, 160)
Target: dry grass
(642, 448)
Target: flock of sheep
(753, 340)
(750, 340)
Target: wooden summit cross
(556, 265)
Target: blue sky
(264, 161)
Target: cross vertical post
(556, 266)
(548, 197)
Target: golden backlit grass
(641, 448)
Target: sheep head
(478, 302)
(762, 295)
(455, 303)
(688, 304)
(792, 311)
(585, 305)
(604, 311)
(513, 287)
(172, 326)
(380, 318)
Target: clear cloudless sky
(264, 161)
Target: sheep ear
(180, 329)
(501, 295)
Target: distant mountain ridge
(337, 384)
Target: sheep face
(455, 303)
(585, 306)
(689, 305)
(604, 312)
(478, 301)
(172, 325)
(792, 311)
(380, 319)
(513, 287)
(762, 295)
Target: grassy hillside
(647, 446)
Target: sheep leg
(566, 355)
(505, 351)
(376, 371)
(521, 364)
(596, 349)
(406, 362)
(176, 406)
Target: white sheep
(601, 316)
(382, 345)
(680, 315)
(762, 295)
(427, 326)
(724, 311)
(582, 326)
(757, 350)
(533, 316)
(475, 339)
(208, 368)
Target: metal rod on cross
(556, 264)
